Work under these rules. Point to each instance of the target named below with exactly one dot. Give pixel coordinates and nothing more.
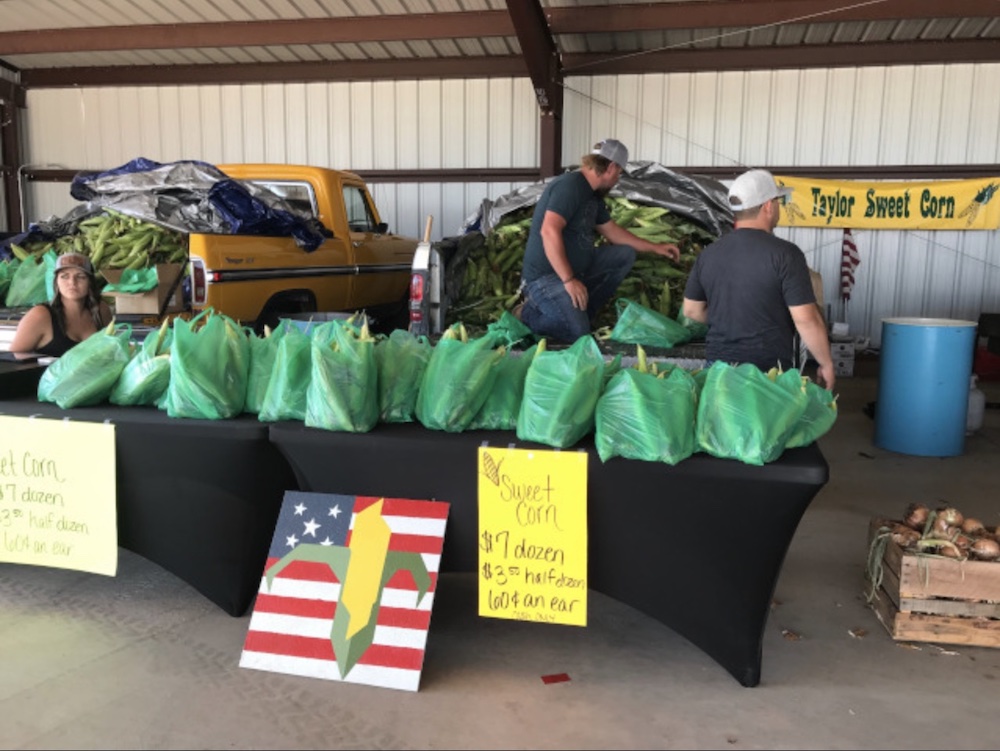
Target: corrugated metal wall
(866, 116)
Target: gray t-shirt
(572, 198)
(750, 278)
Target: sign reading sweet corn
(933, 205)
(533, 535)
(57, 494)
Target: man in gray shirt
(753, 289)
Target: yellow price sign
(533, 535)
(58, 494)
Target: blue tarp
(186, 196)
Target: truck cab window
(300, 196)
(359, 215)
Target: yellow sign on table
(533, 535)
(57, 494)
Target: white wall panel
(428, 119)
(783, 125)
(879, 115)
(984, 115)
(811, 93)
(750, 107)
(866, 127)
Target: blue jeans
(548, 310)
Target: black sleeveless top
(61, 343)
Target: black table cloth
(198, 497)
(698, 546)
(18, 379)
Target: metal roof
(55, 43)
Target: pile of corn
(493, 268)
(116, 241)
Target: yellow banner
(57, 494)
(935, 205)
(533, 535)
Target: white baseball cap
(613, 151)
(755, 188)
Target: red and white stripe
(849, 260)
(289, 629)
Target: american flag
(849, 260)
(295, 626)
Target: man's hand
(825, 376)
(577, 292)
(669, 250)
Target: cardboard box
(932, 598)
(842, 350)
(844, 368)
(155, 300)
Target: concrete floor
(142, 661)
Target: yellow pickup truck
(361, 266)
(257, 279)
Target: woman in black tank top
(76, 311)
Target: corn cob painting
(347, 589)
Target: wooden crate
(926, 598)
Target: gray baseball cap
(755, 188)
(613, 151)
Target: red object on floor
(556, 678)
(986, 365)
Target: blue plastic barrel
(923, 387)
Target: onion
(940, 529)
(962, 542)
(951, 515)
(949, 551)
(972, 526)
(985, 549)
(904, 536)
(916, 516)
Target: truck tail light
(199, 284)
(417, 281)
(416, 290)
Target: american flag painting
(347, 589)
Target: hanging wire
(724, 35)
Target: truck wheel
(275, 310)
(388, 318)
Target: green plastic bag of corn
(561, 390)
(500, 410)
(87, 373)
(263, 351)
(401, 359)
(146, 376)
(647, 415)
(291, 368)
(31, 282)
(343, 386)
(7, 269)
(819, 415)
(209, 366)
(638, 324)
(509, 331)
(458, 379)
(746, 414)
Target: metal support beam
(545, 69)
(11, 99)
